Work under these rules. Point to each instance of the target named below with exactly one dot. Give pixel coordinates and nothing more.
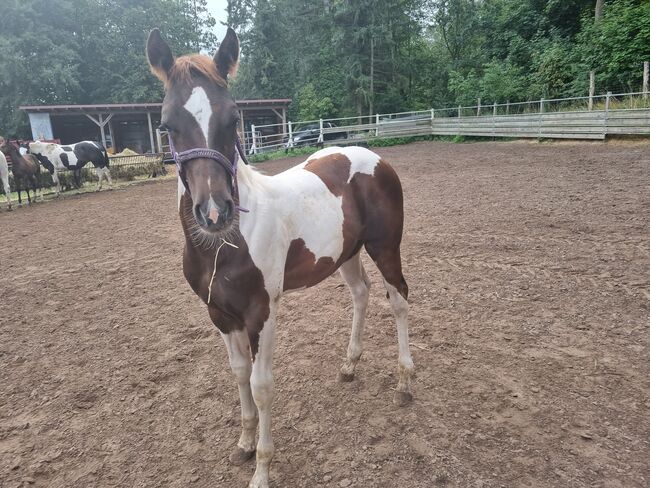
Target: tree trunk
(372, 69)
(599, 9)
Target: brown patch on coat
(333, 170)
(373, 210)
(384, 222)
(239, 300)
(301, 267)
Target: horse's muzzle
(213, 217)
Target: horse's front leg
(263, 392)
(240, 363)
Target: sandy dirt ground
(528, 266)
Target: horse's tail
(106, 158)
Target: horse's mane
(185, 66)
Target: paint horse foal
(249, 238)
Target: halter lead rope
(230, 167)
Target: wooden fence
(596, 124)
(594, 117)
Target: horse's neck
(16, 158)
(253, 186)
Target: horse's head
(199, 113)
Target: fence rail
(593, 117)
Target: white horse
(4, 176)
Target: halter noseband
(180, 158)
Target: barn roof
(141, 107)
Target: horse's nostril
(228, 210)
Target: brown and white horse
(249, 238)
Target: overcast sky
(218, 10)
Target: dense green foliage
(332, 57)
(88, 51)
(355, 57)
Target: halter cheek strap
(180, 158)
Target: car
(308, 135)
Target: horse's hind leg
(389, 262)
(100, 176)
(57, 183)
(107, 172)
(240, 362)
(355, 276)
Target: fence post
(646, 75)
(494, 109)
(541, 114)
(458, 121)
(433, 116)
(254, 146)
(376, 125)
(592, 89)
(478, 107)
(320, 132)
(494, 119)
(605, 120)
(290, 135)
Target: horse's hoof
(239, 456)
(345, 377)
(402, 398)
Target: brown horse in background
(26, 170)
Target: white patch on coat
(362, 161)
(198, 105)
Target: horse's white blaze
(181, 191)
(199, 106)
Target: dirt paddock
(528, 266)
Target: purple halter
(231, 167)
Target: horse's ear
(160, 56)
(227, 57)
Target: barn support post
(592, 89)
(112, 134)
(101, 129)
(284, 121)
(646, 77)
(153, 147)
(101, 123)
(253, 139)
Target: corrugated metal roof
(144, 107)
